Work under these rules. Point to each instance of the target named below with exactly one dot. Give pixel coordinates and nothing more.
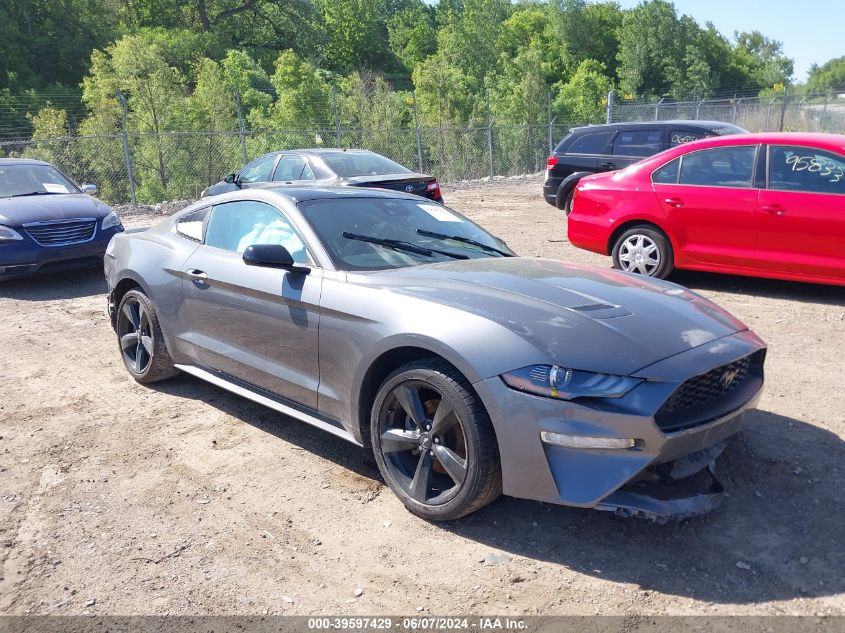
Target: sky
(811, 32)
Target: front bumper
(532, 469)
(23, 258)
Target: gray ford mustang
(401, 326)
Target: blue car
(47, 223)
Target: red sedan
(766, 205)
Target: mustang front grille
(62, 233)
(707, 396)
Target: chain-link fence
(179, 165)
(150, 168)
(807, 113)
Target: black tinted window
(679, 137)
(595, 143)
(668, 174)
(720, 167)
(793, 168)
(637, 143)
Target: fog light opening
(583, 441)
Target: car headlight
(110, 221)
(7, 234)
(554, 381)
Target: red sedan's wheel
(645, 250)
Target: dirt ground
(179, 498)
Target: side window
(679, 137)
(637, 143)
(668, 174)
(191, 225)
(590, 143)
(292, 168)
(794, 168)
(258, 170)
(719, 167)
(235, 225)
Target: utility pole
(127, 157)
(241, 126)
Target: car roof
(295, 193)
(704, 125)
(835, 142)
(317, 151)
(22, 161)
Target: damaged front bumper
(663, 474)
(674, 491)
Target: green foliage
(582, 98)
(827, 77)
(412, 34)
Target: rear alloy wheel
(644, 250)
(434, 443)
(141, 342)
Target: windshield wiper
(464, 240)
(34, 193)
(401, 246)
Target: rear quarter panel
(606, 203)
(153, 259)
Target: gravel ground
(178, 498)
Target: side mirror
(89, 189)
(272, 256)
(232, 179)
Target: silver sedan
(401, 326)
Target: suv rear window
(594, 143)
(637, 143)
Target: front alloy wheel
(434, 443)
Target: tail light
(551, 162)
(434, 189)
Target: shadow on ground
(781, 519)
(759, 287)
(71, 284)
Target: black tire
(445, 464)
(644, 249)
(145, 356)
(567, 201)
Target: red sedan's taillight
(551, 162)
(434, 189)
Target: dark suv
(594, 148)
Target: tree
(765, 59)
(651, 43)
(830, 76)
(580, 100)
(412, 34)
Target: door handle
(774, 209)
(607, 165)
(674, 202)
(197, 275)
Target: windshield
(349, 164)
(22, 179)
(405, 229)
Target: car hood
(578, 316)
(19, 211)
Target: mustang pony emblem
(728, 377)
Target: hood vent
(601, 310)
(593, 307)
